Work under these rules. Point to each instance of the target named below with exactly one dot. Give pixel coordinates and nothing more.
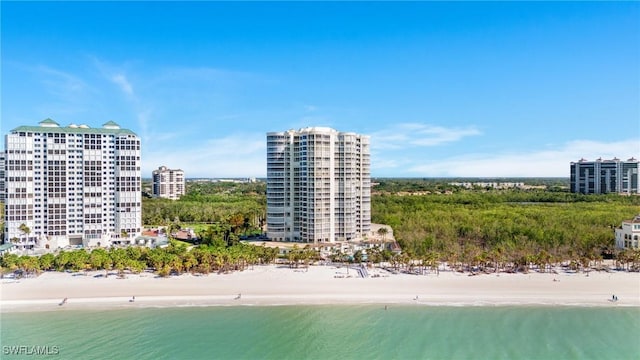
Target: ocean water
(325, 332)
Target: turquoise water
(327, 332)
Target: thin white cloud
(141, 109)
(143, 115)
(60, 83)
(536, 163)
(244, 155)
(59, 92)
(314, 120)
(124, 84)
(404, 135)
(115, 74)
(174, 137)
(437, 135)
(238, 155)
(200, 74)
(386, 164)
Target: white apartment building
(318, 185)
(72, 185)
(605, 176)
(628, 235)
(3, 174)
(168, 183)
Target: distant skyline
(451, 89)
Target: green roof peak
(111, 125)
(50, 126)
(48, 123)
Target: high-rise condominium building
(605, 176)
(168, 183)
(3, 193)
(72, 185)
(318, 185)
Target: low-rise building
(186, 234)
(628, 234)
(7, 248)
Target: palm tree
(203, 260)
(99, 259)
(336, 256)
(246, 224)
(543, 260)
(155, 259)
(383, 231)
(236, 222)
(430, 259)
(29, 264)
(189, 261)
(118, 258)
(175, 263)
(135, 266)
(357, 256)
(134, 252)
(293, 256)
(46, 261)
(374, 255)
(9, 261)
(308, 254)
(635, 259)
(62, 260)
(79, 260)
(25, 231)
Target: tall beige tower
(318, 185)
(168, 183)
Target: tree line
(479, 230)
(206, 208)
(175, 259)
(511, 227)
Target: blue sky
(498, 89)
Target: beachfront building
(3, 174)
(168, 183)
(318, 185)
(605, 176)
(72, 185)
(628, 235)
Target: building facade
(72, 185)
(318, 185)
(605, 176)
(628, 235)
(168, 183)
(3, 175)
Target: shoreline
(273, 285)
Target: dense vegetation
(240, 205)
(441, 185)
(512, 227)
(223, 211)
(174, 259)
(476, 229)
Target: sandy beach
(280, 285)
